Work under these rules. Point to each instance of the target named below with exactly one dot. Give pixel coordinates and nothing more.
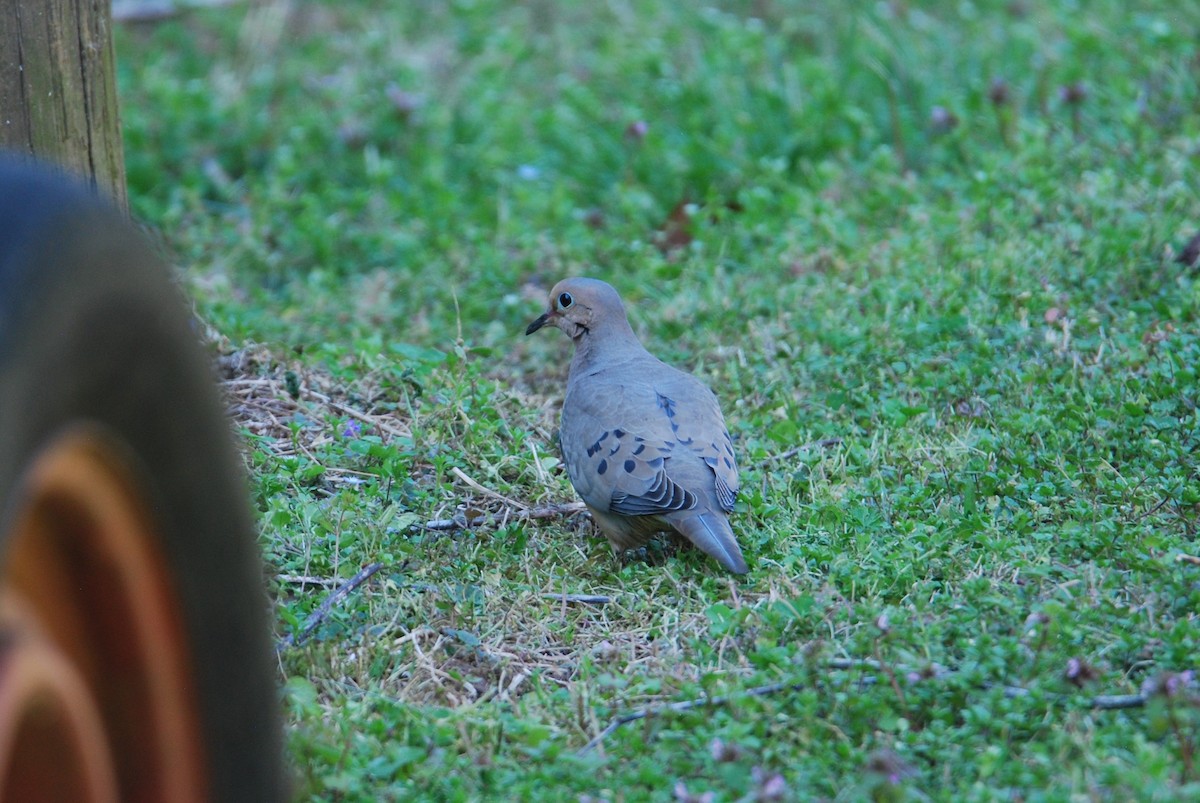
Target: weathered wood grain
(58, 94)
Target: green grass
(370, 201)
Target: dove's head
(583, 306)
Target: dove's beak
(538, 324)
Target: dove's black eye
(565, 300)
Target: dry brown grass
(477, 637)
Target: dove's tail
(712, 534)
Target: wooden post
(58, 90)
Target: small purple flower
(1177, 682)
(1073, 94)
(942, 120)
(353, 429)
(723, 751)
(998, 92)
(1168, 684)
(684, 796)
(636, 131)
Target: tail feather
(711, 533)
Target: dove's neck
(615, 344)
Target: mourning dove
(645, 444)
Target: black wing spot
(603, 467)
(667, 404)
(728, 463)
(619, 433)
(595, 447)
(630, 466)
(602, 437)
(641, 448)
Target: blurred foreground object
(135, 659)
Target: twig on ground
(568, 509)
(456, 471)
(302, 579)
(1103, 702)
(316, 617)
(1185, 558)
(824, 443)
(375, 421)
(462, 523)
(244, 381)
(684, 705)
(591, 599)
(1115, 702)
(1154, 509)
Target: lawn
(932, 258)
